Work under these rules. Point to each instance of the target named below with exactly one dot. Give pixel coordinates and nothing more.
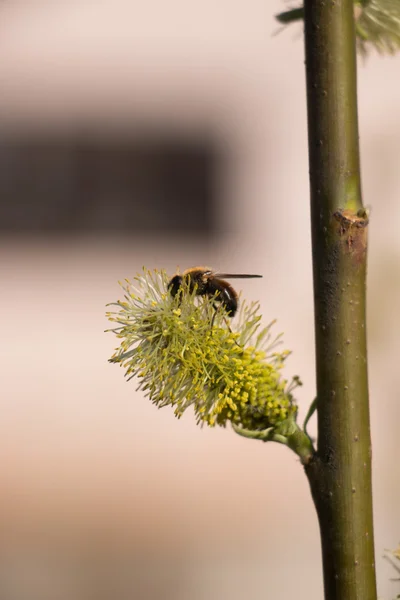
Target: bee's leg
(216, 307)
(225, 321)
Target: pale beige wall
(93, 476)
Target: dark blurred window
(107, 185)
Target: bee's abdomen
(226, 295)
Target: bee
(208, 283)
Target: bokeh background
(167, 134)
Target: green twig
(340, 473)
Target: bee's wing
(235, 275)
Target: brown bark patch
(352, 230)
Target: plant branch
(340, 472)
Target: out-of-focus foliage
(394, 557)
(377, 24)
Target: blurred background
(167, 134)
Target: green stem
(296, 440)
(300, 443)
(340, 472)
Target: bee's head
(175, 284)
